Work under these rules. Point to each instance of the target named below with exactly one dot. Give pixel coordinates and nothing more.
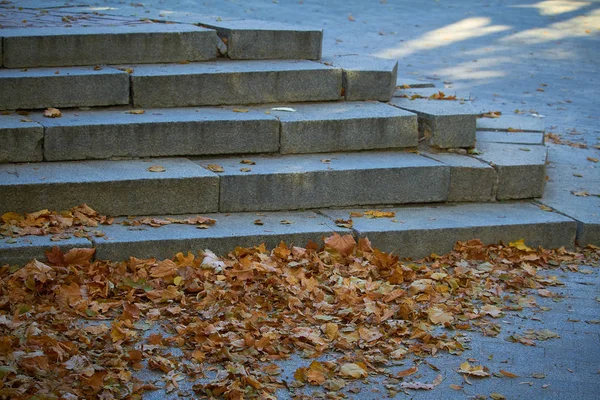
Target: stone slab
(445, 123)
(140, 43)
(366, 78)
(82, 135)
(521, 169)
(62, 87)
(535, 138)
(261, 40)
(580, 176)
(403, 82)
(234, 82)
(419, 231)
(345, 126)
(229, 232)
(27, 248)
(511, 122)
(21, 139)
(470, 179)
(330, 180)
(109, 187)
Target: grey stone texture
(234, 82)
(330, 180)
(470, 179)
(104, 134)
(419, 231)
(19, 251)
(21, 139)
(260, 40)
(62, 87)
(535, 138)
(365, 77)
(345, 126)
(445, 123)
(229, 232)
(141, 43)
(521, 168)
(109, 187)
(511, 122)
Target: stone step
(444, 123)
(329, 180)
(76, 46)
(304, 128)
(111, 187)
(62, 87)
(414, 231)
(234, 82)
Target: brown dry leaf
(491, 310)
(352, 370)
(492, 114)
(344, 223)
(157, 168)
(258, 222)
(456, 387)
(245, 169)
(508, 374)
(497, 396)
(215, 168)
(240, 110)
(342, 244)
(136, 112)
(407, 372)
(593, 159)
(249, 162)
(52, 113)
(286, 222)
(79, 256)
(438, 315)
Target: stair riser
(110, 45)
(236, 88)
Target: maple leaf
(438, 315)
(353, 370)
(473, 370)
(344, 245)
(79, 256)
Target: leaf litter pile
(74, 327)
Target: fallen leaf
(286, 222)
(245, 169)
(351, 18)
(352, 370)
(215, 168)
(136, 112)
(249, 162)
(344, 223)
(287, 109)
(342, 244)
(455, 387)
(593, 159)
(473, 370)
(417, 385)
(508, 374)
(52, 113)
(407, 372)
(520, 244)
(497, 396)
(241, 110)
(258, 222)
(157, 168)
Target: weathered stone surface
(19, 251)
(141, 43)
(329, 180)
(521, 168)
(82, 135)
(419, 231)
(62, 87)
(344, 126)
(110, 187)
(234, 82)
(511, 123)
(229, 232)
(535, 138)
(366, 78)
(445, 123)
(261, 40)
(470, 179)
(21, 139)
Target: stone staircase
(243, 122)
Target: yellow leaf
(331, 330)
(177, 280)
(137, 112)
(520, 245)
(157, 168)
(12, 216)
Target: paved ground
(536, 57)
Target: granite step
(410, 232)
(206, 131)
(111, 187)
(95, 45)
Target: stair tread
(414, 231)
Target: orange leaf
(342, 244)
(79, 256)
(407, 372)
